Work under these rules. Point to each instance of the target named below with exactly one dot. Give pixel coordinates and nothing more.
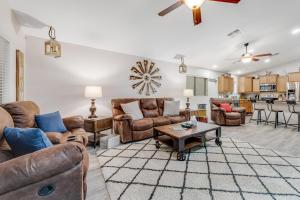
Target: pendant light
(182, 66)
(52, 47)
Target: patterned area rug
(237, 170)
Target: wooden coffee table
(182, 140)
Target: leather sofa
(58, 172)
(234, 118)
(152, 109)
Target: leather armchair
(234, 118)
(53, 173)
(152, 109)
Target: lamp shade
(188, 93)
(93, 92)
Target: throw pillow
(27, 140)
(133, 109)
(51, 122)
(171, 108)
(226, 107)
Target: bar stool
(259, 111)
(270, 103)
(291, 105)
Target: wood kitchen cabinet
(225, 84)
(269, 79)
(281, 84)
(294, 77)
(245, 84)
(247, 104)
(255, 85)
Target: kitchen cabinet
(247, 104)
(269, 79)
(255, 85)
(245, 84)
(225, 84)
(281, 84)
(294, 77)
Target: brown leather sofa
(152, 109)
(220, 117)
(58, 172)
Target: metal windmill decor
(146, 76)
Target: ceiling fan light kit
(195, 6)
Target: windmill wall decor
(146, 77)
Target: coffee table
(183, 139)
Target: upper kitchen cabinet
(269, 79)
(255, 85)
(294, 77)
(245, 84)
(281, 84)
(225, 84)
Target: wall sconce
(52, 47)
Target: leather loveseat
(152, 109)
(58, 172)
(234, 118)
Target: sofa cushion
(171, 108)
(51, 122)
(177, 119)
(161, 121)
(5, 156)
(23, 113)
(233, 115)
(5, 121)
(160, 104)
(133, 109)
(142, 124)
(25, 141)
(149, 108)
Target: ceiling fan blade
(227, 1)
(255, 59)
(197, 16)
(171, 8)
(263, 55)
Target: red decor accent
(226, 106)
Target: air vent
(234, 33)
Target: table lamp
(188, 93)
(93, 92)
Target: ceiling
(133, 27)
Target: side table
(96, 125)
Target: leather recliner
(58, 172)
(152, 109)
(234, 118)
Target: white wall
(293, 66)
(10, 30)
(58, 84)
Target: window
(4, 66)
(198, 84)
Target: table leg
(218, 135)
(155, 136)
(95, 140)
(180, 147)
(203, 139)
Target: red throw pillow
(226, 107)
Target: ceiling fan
(194, 5)
(248, 57)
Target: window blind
(4, 66)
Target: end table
(96, 125)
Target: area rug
(237, 170)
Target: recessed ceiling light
(268, 60)
(238, 72)
(215, 66)
(251, 51)
(296, 31)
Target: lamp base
(93, 109)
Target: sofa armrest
(218, 109)
(40, 165)
(238, 109)
(122, 117)
(74, 122)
